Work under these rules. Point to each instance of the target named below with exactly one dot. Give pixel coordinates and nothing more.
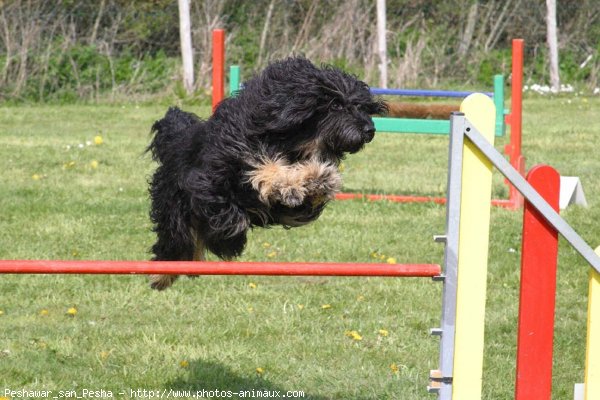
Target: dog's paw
(161, 282)
(291, 195)
(322, 181)
(270, 179)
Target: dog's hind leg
(199, 253)
(161, 282)
(171, 246)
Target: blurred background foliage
(109, 50)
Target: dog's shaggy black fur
(266, 156)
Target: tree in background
(185, 34)
(552, 39)
(382, 43)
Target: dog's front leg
(277, 182)
(291, 184)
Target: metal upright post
(441, 379)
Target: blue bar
(425, 93)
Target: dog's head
(324, 112)
(344, 111)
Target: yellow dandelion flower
(98, 140)
(354, 335)
(382, 257)
(272, 254)
(391, 260)
(300, 306)
(383, 332)
(375, 254)
(104, 355)
(36, 177)
(1, 312)
(4, 398)
(326, 306)
(266, 245)
(260, 371)
(72, 311)
(69, 165)
(184, 364)
(394, 368)
(252, 285)
(250, 309)
(44, 312)
(360, 298)
(94, 164)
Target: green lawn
(62, 196)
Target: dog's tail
(169, 132)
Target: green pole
(499, 104)
(234, 79)
(404, 125)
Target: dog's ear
(288, 108)
(380, 107)
(285, 94)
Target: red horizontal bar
(217, 268)
(413, 199)
(390, 197)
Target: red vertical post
(538, 287)
(515, 120)
(218, 74)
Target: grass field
(73, 186)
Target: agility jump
(471, 160)
(468, 221)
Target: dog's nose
(369, 131)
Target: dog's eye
(336, 106)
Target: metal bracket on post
(440, 238)
(437, 379)
(436, 332)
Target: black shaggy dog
(267, 156)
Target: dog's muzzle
(300, 215)
(369, 131)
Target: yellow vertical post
(592, 352)
(476, 197)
